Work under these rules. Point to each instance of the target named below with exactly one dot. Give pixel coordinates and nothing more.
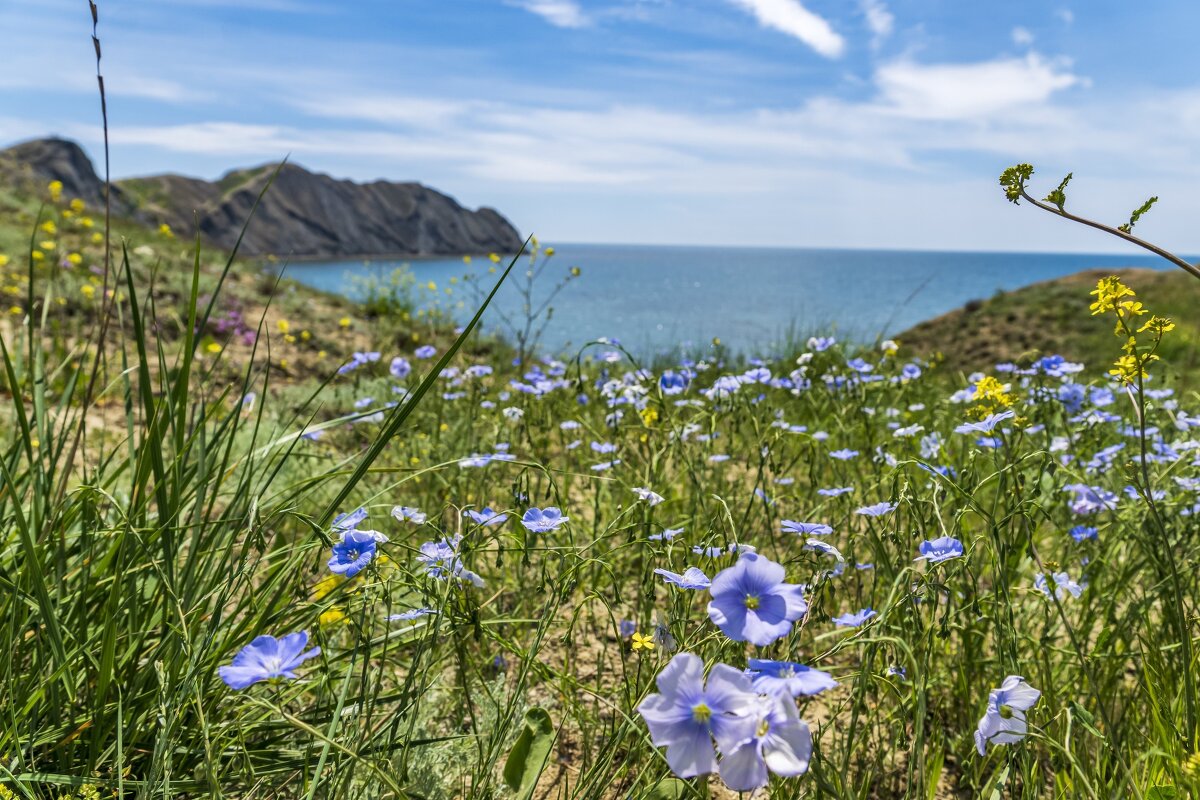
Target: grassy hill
(1053, 317)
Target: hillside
(306, 215)
(1053, 317)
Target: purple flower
(692, 578)
(781, 743)
(877, 510)
(805, 528)
(686, 713)
(854, 620)
(627, 628)
(780, 677)
(352, 553)
(425, 351)
(751, 603)
(400, 368)
(943, 548)
(486, 516)
(267, 658)
(843, 455)
(542, 521)
(1090, 499)
(1004, 720)
(836, 491)
(410, 615)
(667, 535)
(985, 425)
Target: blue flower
(400, 368)
(1082, 533)
(844, 454)
(1090, 499)
(805, 528)
(854, 620)
(542, 521)
(667, 535)
(821, 343)
(352, 553)
(692, 578)
(751, 603)
(876, 510)
(686, 713)
(672, 382)
(442, 561)
(985, 425)
(1004, 720)
(781, 743)
(836, 491)
(779, 677)
(267, 658)
(409, 514)
(425, 351)
(627, 628)
(406, 616)
(943, 548)
(486, 516)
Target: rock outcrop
(303, 214)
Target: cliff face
(303, 214)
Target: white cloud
(1066, 15)
(971, 90)
(1022, 37)
(560, 13)
(880, 21)
(795, 20)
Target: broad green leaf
(529, 755)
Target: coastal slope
(304, 214)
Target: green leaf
(1136, 215)
(1086, 719)
(998, 784)
(528, 757)
(1162, 793)
(669, 789)
(1059, 196)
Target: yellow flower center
(701, 712)
(751, 602)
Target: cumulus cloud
(971, 90)
(795, 20)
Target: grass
(191, 518)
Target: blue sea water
(655, 298)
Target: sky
(822, 123)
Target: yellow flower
(332, 617)
(549, 251)
(88, 222)
(1129, 368)
(305, 336)
(38, 255)
(15, 310)
(443, 427)
(326, 585)
(88, 291)
(55, 188)
(283, 326)
(289, 338)
(431, 286)
(166, 231)
(3, 260)
(1159, 325)
(49, 244)
(344, 322)
(466, 259)
(49, 227)
(321, 354)
(575, 272)
(97, 238)
(414, 461)
(1131, 307)
(1108, 291)
(283, 363)
(75, 259)
(649, 416)
(77, 205)
(641, 642)
(495, 259)
(213, 347)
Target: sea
(660, 300)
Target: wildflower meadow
(432, 568)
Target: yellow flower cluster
(1113, 296)
(990, 397)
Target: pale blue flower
(805, 528)
(855, 619)
(542, 521)
(940, 549)
(782, 744)
(692, 578)
(751, 603)
(788, 677)
(1004, 721)
(267, 658)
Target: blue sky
(843, 123)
